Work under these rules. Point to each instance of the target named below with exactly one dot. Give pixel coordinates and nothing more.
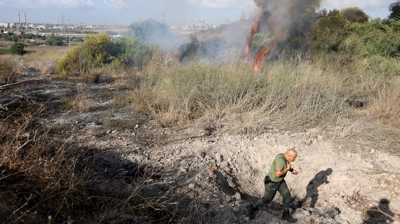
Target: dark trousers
(270, 190)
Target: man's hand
(288, 165)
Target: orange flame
(264, 51)
(260, 55)
(254, 29)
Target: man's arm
(280, 173)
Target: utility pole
(69, 33)
(163, 16)
(61, 24)
(26, 25)
(19, 20)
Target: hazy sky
(176, 12)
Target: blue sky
(177, 12)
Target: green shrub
(131, 52)
(69, 63)
(98, 51)
(10, 37)
(83, 58)
(54, 40)
(192, 49)
(18, 48)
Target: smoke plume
(276, 21)
(278, 16)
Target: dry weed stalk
(371, 213)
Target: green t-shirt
(279, 163)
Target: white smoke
(280, 15)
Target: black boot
(251, 211)
(286, 216)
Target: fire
(260, 55)
(254, 29)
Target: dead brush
(9, 70)
(45, 67)
(371, 213)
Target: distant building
(42, 27)
(202, 26)
(4, 25)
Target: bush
(18, 48)
(192, 49)
(296, 42)
(131, 52)
(10, 37)
(98, 51)
(83, 58)
(54, 40)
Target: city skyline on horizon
(174, 12)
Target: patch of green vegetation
(18, 48)
(99, 52)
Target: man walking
(274, 181)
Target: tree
(18, 48)
(148, 30)
(54, 40)
(355, 15)
(328, 33)
(394, 9)
(192, 49)
(300, 31)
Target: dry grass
(219, 92)
(385, 102)
(289, 94)
(10, 69)
(44, 53)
